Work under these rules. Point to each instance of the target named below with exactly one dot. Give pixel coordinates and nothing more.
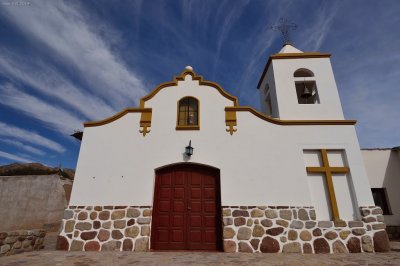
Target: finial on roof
(287, 49)
(189, 68)
(284, 26)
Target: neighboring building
(33, 196)
(383, 169)
(290, 178)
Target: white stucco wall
(270, 83)
(261, 163)
(383, 169)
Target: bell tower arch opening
(306, 87)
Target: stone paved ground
(194, 258)
(395, 245)
(49, 256)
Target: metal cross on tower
(284, 26)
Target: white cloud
(373, 101)
(315, 35)
(197, 13)
(48, 81)
(14, 132)
(14, 157)
(56, 117)
(30, 137)
(67, 33)
(23, 146)
(231, 14)
(260, 42)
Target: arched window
(188, 113)
(306, 87)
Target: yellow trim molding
(288, 122)
(230, 111)
(187, 128)
(300, 55)
(145, 119)
(116, 116)
(145, 123)
(194, 77)
(230, 121)
(290, 56)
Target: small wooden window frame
(188, 127)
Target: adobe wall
(34, 201)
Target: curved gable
(146, 113)
(181, 77)
(174, 82)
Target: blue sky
(63, 63)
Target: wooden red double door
(187, 209)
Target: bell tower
(298, 86)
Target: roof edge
(174, 82)
(116, 116)
(290, 56)
(181, 77)
(396, 148)
(375, 149)
(289, 122)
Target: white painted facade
(383, 169)
(262, 163)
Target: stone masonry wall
(266, 229)
(95, 228)
(19, 241)
(273, 229)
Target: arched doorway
(187, 208)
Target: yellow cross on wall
(327, 170)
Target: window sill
(187, 128)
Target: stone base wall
(19, 241)
(273, 229)
(254, 229)
(95, 228)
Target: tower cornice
(290, 56)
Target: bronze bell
(306, 93)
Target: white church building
(192, 169)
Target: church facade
(191, 169)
